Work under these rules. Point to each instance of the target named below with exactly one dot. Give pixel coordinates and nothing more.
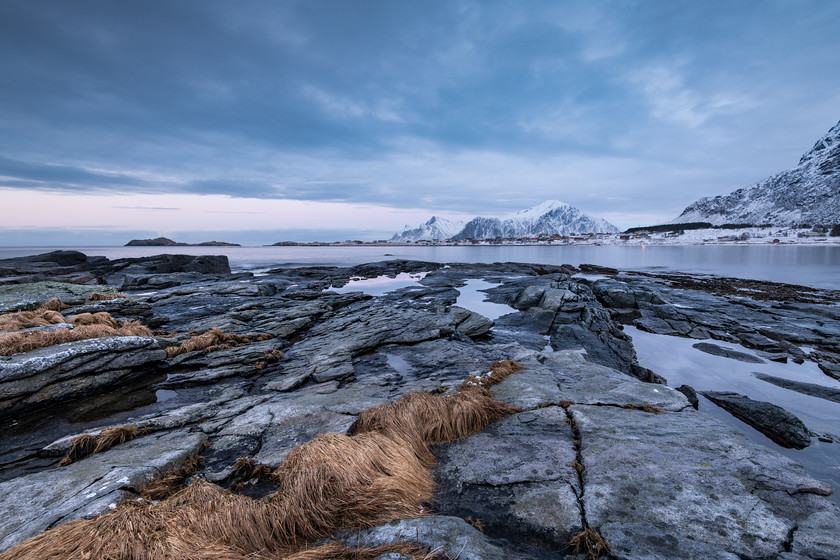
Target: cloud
(464, 107)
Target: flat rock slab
(775, 422)
(684, 486)
(33, 503)
(451, 535)
(810, 389)
(516, 477)
(716, 350)
(37, 378)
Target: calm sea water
(817, 266)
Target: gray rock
(329, 348)
(810, 389)
(516, 477)
(716, 350)
(450, 535)
(683, 486)
(817, 536)
(771, 420)
(470, 323)
(690, 394)
(36, 379)
(31, 504)
(529, 297)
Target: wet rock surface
(774, 421)
(600, 441)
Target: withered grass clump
(87, 445)
(498, 373)
(54, 304)
(26, 341)
(172, 480)
(644, 408)
(24, 319)
(99, 296)
(214, 339)
(272, 355)
(246, 469)
(590, 543)
(422, 418)
(379, 474)
(100, 318)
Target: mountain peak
(824, 146)
(535, 212)
(552, 217)
(807, 194)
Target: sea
(808, 265)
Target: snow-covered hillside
(435, 228)
(807, 194)
(552, 217)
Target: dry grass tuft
(475, 523)
(24, 319)
(590, 543)
(214, 339)
(423, 418)
(333, 481)
(26, 341)
(172, 480)
(246, 469)
(498, 373)
(644, 408)
(338, 481)
(99, 296)
(578, 466)
(86, 445)
(272, 355)
(54, 304)
(101, 318)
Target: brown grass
(214, 339)
(24, 319)
(590, 543)
(246, 469)
(101, 318)
(272, 355)
(498, 373)
(86, 445)
(423, 418)
(644, 408)
(99, 296)
(54, 304)
(26, 341)
(333, 481)
(172, 480)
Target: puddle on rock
(474, 299)
(381, 284)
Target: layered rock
(593, 446)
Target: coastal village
(706, 236)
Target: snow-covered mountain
(436, 228)
(551, 217)
(807, 194)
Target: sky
(258, 121)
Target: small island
(166, 242)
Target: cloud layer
(627, 110)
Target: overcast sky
(261, 121)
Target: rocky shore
(244, 369)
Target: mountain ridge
(809, 193)
(552, 217)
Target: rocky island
(164, 407)
(166, 242)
